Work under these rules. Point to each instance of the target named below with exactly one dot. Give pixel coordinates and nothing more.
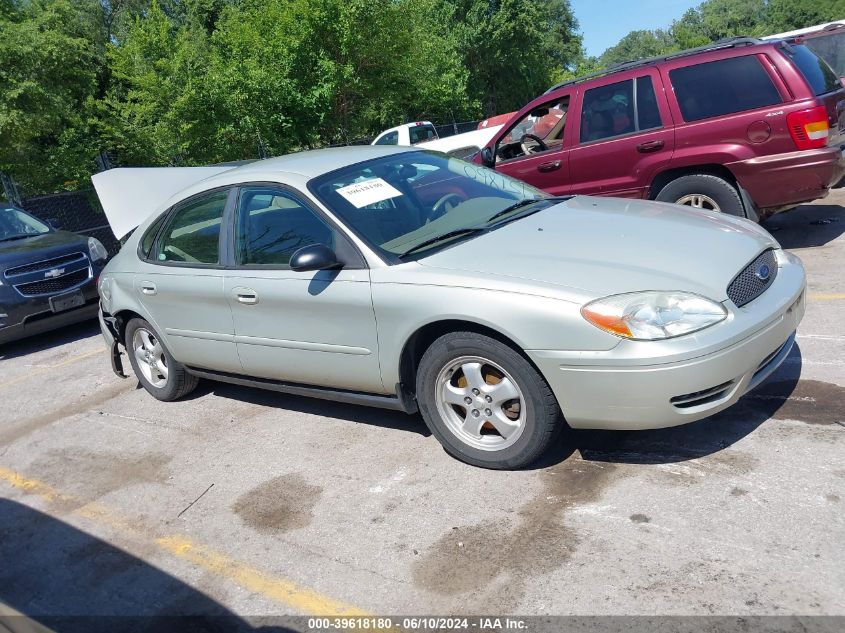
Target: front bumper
(616, 390)
(21, 317)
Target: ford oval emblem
(763, 272)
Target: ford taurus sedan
(405, 279)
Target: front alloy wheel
(485, 402)
(480, 403)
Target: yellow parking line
(826, 296)
(45, 370)
(300, 598)
(280, 590)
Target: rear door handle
(247, 296)
(550, 166)
(148, 288)
(650, 146)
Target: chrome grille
(52, 286)
(46, 264)
(748, 284)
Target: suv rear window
(422, 133)
(723, 87)
(817, 73)
(831, 48)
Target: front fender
(531, 322)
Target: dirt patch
(467, 558)
(85, 475)
(832, 497)
(87, 403)
(811, 402)
(281, 504)
(738, 492)
(640, 518)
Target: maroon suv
(742, 126)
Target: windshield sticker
(362, 194)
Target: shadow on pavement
(40, 342)
(681, 443)
(806, 226)
(68, 580)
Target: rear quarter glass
(723, 87)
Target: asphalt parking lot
(255, 503)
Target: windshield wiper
(445, 236)
(523, 203)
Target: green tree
(513, 49)
(48, 79)
(638, 45)
(786, 15)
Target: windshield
(15, 223)
(398, 202)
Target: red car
(742, 126)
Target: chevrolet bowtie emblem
(54, 273)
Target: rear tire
(703, 191)
(160, 374)
(485, 403)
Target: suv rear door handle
(650, 146)
(550, 166)
(148, 288)
(247, 296)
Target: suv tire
(703, 191)
(485, 403)
(161, 375)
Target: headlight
(650, 316)
(97, 250)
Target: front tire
(156, 369)
(485, 403)
(703, 191)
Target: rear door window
(618, 109)
(723, 87)
(817, 73)
(193, 233)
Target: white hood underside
(130, 195)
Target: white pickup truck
(424, 134)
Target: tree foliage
(713, 20)
(166, 82)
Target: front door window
(539, 131)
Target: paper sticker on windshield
(362, 194)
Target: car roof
(727, 43)
(312, 163)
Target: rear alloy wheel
(156, 369)
(485, 402)
(703, 191)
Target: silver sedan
(405, 279)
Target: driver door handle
(650, 146)
(148, 288)
(550, 166)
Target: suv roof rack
(728, 42)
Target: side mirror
(313, 257)
(487, 158)
(55, 223)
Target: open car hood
(130, 195)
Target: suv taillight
(809, 128)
